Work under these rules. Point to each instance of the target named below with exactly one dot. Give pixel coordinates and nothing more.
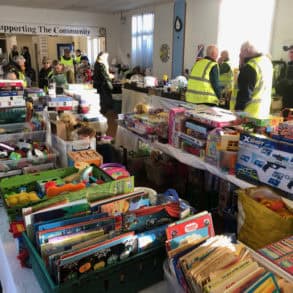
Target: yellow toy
(22, 198)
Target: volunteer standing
(203, 83)
(254, 86)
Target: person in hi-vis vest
(254, 85)
(69, 65)
(226, 71)
(203, 83)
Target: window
(241, 21)
(94, 47)
(142, 40)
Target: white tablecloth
(131, 98)
(14, 279)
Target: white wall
(282, 29)
(163, 34)
(64, 17)
(201, 27)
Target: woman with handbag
(102, 82)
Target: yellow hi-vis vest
(22, 77)
(77, 59)
(199, 87)
(259, 106)
(67, 63)
(226, 79)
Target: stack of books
(202, 262)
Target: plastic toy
(22, 198)
(14, 156)
(54, 190)
(116, 171)
(7, 147)
(16, 228)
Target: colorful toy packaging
(176, 115)
(262, 159)
(221, 149)
(87, 156)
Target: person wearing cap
(254, 85)
(45, 73)
(203, 83)
(69, 65)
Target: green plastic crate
(11, 184)
(16, 115)
(129, 276)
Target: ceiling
(106, 6)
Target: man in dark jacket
(45, 73)
(254, 83)
(103, 82)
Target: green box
(129, 276)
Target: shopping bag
(257, 224)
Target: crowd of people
(211, 80)
(68, 69)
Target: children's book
(95, 257)
(266, 284)
(107, 224)
(191, 224)
(280, 253)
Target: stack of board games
(202, 262)
(199, 123)
(12, 102)
(280, 253)
(86, 235)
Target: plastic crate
(6, 166)
(63, 147)
(16, 115)
(14, 127)
(12, 184)
(129, 276)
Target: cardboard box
(87, 156)
(225, 140)
(255, 166)
(274, 151)
(176, 117)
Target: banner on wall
(48, 29)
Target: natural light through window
(240, 21)
(142, 40)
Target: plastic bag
(258, 225)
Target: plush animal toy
(70, 123)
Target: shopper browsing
(102, 81)
(59, 77)
(45, 73)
